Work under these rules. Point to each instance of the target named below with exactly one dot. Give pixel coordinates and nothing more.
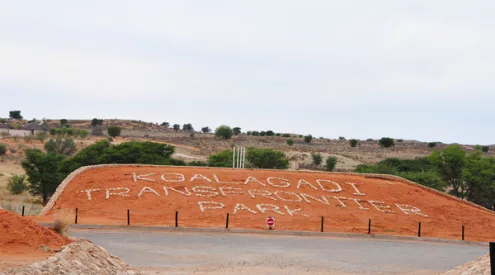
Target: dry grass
(63, 218)
(15, 205)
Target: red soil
(440, 215)
(21, 236)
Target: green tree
(41, 136)
(221, 159)
(341, 138)
(308, 139)
(224, 131)
(237, 130)
(64, 123)
(270, 133)
(83, 133)
(286, 135)
(386, 142)
(427, 178)
(450, 163)
(248, 133)
(262, 133)
(479, 177)
(317, 159)
(16, 184)
(65, 146)
(267, 158)
(485, 149)
(15, 115)
(353, 142)
(187, 127)
(290, 142)
(330, 163)
(176, 127)
(113, 131)
(432, 144)
(95, 122)
(43, 174)
(256, 133)
(205, 130)
(3, 149)
(165, 124)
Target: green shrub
(432, 144)
(485, 149)
(286, 135)
(267, 158)
(248, 133)
(224, 131)
(270, 133)
(426, 178)
(83, 133)
(278, 134)
(353, 142)
(262, 133)
(341, 138)
(236, 130)
(65, 146)
(330, 163)
(308, 139)
(197, 163)
(290, 142)
(16, 184)
(317, 159)
(113, 131)
(256, 133)
(69, 131)
(400, 140)
(205, 130)
(221, 159)
(386, 142)
(53, 131)
(3, 149)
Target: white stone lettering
(122, 194)
(381, 206)
(199, 177)
(294, 211)
(296, 199)
(264, 193)
(339, 199)
(410, 209)
(337, 186)
(230, 190)
(357, 193)
(306, 196)
(283, 184)
(185, 192)
(253, 179)
(88, 192)
(179, 177)
(204, 205)
(205, 191)
(357, 201)
(223, 182)
(241, 206)
(304, 182)
(147, 189)
(263, 207)
(142, 177)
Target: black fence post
(23, 210)
(419, 229)
(176, 218)
(76, 216)
(463, 232)
(322, 222)
(128, 217)
(492, 257)
(369, 226)
(227, 222)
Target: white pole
(233, 157)
(243, 156)
(239, 158)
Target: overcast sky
(420, 70)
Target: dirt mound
(19, 235)
(297, 200)
(479, 267)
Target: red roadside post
(270, 222)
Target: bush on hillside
(236, 130)
(330, 163)
(221, 159)
(16, 184)
(317, 159)
(286, 135)
(432, 144)
(270, 133)
(3, 149)
(65, 146)
(353, 142)
(290, 142)
(386, 142)
(114, 131)
(308, 139)
(224, 131)
(267, 158)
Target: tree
(353, 142)
(224, 131)
(113, 131)
(262, 133)
(42, 171)
(187, 127)
(290, 142)
(16, 184)
(95, 122)
(248, 133)
(206, 130)
(97, 130)
(221, 159)
(165, 124)
(267, 158)
(479, 177)
(485, 149)
(432, 144)
(449, 164)
(64, 123)
(317, 159)
(330, 163)
(270, 133)
(176, 127)
(386, 142)
(341, 138)
(256, 133)
(308, 139)
(286, 135)
(15, 115)
(3, 149)
(65, 146)
(41, 136)
(237, 130)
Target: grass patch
(63, 218)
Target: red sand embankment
(297, 201)
(21, 236)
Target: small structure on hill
(36, 127)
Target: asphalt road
(223, 253)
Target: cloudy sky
(420, 70)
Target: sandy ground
(220, 253)
(395, 208)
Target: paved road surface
(220, 253)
